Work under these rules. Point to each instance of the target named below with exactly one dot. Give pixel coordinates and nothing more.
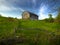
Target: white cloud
(21, 9)
(9, 8)
(11, 15)
(42, 16)
(42, 11)
(6, 6)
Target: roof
(31, 13)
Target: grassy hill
(28, 32)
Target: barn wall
(33, 17)
(25, 15)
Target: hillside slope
(27, 32)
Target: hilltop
(27, 32)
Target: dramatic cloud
(15, 8)
(6, 6)
(9, 10)
(42, 10)
(34, 3)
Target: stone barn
(29, 15)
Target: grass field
(28, 32)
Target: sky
(14, 8)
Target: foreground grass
(28, 32)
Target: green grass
(7, 27)
(35, 32)
(38, 24)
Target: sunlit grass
(33, 31)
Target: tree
(51, 18)
(0, 15)
(50, 15)
(58, 16)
